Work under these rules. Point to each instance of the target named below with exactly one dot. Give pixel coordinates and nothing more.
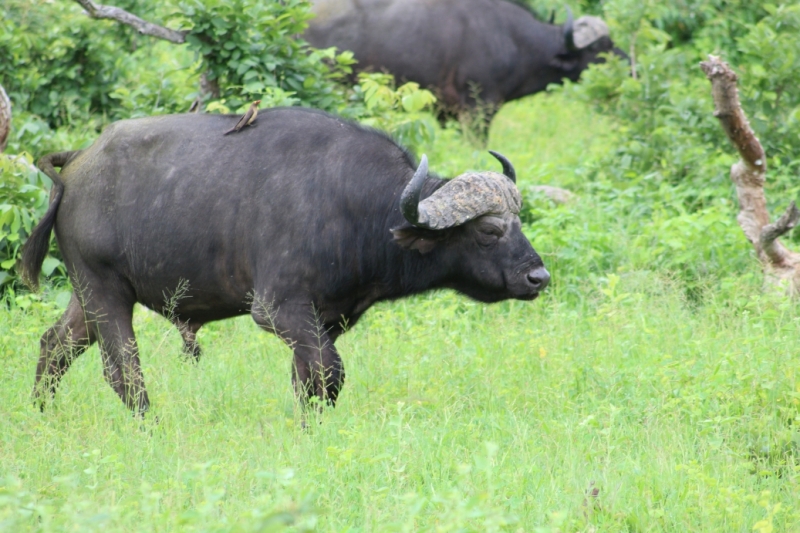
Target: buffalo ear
(413, 238)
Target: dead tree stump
(5, 119)
(781, 266)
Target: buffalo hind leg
(112, 318)
(60, 345)
(189, 334)
(318, 369)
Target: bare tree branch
(771, 232)
(730, 114)
(5, 118)
(749, 176)
(99, 11)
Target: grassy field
(619, 401)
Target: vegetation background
(654, 387)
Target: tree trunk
(781, 265)
(5, 119)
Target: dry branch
(5, 118)
(749, 176)
(99, 11)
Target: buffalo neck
(540, 53)
(408, 272)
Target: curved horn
(552, 16)
(409, 200)
(508, 168)
(569, 32)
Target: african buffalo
(494, 49)
(306, 219)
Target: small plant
(474, 122)
(403, 112)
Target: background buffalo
(467, 51)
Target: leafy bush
(665, 113)
(770, 73)
(61, 65)
(82, 68)
(664, 188)
(404, 112)
(23, 198)
(250, 48)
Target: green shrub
(23, 198)
(61, 65)
(405, 112)
(250, 48)
(770, 74)
(666, 113)
(662, 197)
(80, 69)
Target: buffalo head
(471, 223)
(584, 40)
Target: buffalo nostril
(539, 278)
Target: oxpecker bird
(247, 119)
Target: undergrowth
(632, 410)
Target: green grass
(456, 416)
(546, 137)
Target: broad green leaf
(49, 265)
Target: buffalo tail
(36, 247)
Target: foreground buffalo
(461, 48)
(304, 222)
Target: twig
(771, 232)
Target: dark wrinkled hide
(454, 45)
(289, 221)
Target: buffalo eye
(488, 234)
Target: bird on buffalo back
(247, 119)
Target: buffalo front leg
(60, 345)
(189, 334)
(318, 369)
(112, 321)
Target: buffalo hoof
(192, 351)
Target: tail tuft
(35, 248)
